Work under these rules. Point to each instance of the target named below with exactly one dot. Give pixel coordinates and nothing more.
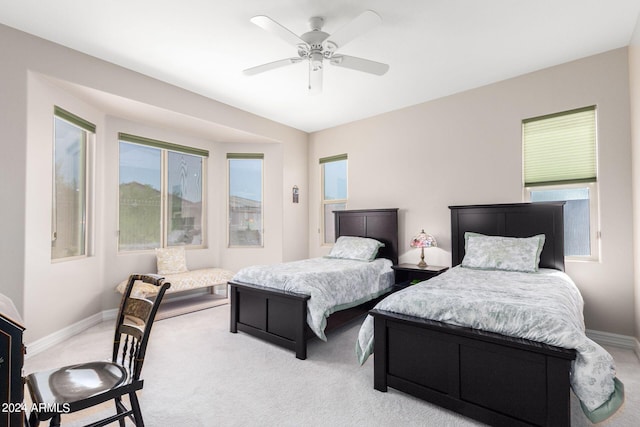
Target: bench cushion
(188, 280)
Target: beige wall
(466, 149)
(13, 122)
(55, 293)
(36, 75)
(634, 80)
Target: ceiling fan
(316, 46)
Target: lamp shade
(423, 240)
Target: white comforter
(544, 307)
(333, 284)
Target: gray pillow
(357, 248)
(502, 253)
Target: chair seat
(77, 382)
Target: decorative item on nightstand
(423, 240)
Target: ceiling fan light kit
(315, 46)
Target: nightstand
(406, 273)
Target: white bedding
(544, 307)
(333, 284)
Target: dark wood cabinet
(408, 273)
(11, 362)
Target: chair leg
(55, 421)
(33, 419)
(135, 407)
(120, 409)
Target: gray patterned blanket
(333, 284)
(544, 307)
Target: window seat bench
(211, 278)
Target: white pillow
(171, 260)
(356, 248)
(502, 253)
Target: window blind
(333, 158)
(245, 156)
(73, 119)
(162, 144)
(560, 148)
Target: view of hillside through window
(143, 211)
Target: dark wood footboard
(276, 316)
(495, 379)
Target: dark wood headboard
(512, 220)
(379, 224)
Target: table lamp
(423, 240)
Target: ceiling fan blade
(270, 66)
(361, 24)
(315, 79)
(360, 64)
(273, 27)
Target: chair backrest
(134, 322)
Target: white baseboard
(44, 343)
(616, 340)
(109, 314)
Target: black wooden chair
(77, 387)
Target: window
(245, 199)
(334, 193)
(72, 147)
(161, 200)
(560, 164)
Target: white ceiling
(434, 47)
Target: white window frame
(89, 130)
(572, 183)
(594, 217)
(323, 201)
(245, 156)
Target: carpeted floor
(178, 307)
(199, 374)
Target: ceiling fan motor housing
(314, 39)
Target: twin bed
(280, 315)
(456, 357)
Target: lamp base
(422, 264)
